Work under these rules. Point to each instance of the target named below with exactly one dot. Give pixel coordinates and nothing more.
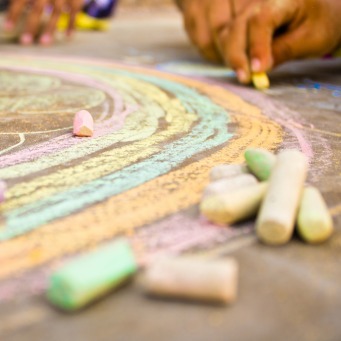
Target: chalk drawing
(196, 69)
(21, 141)
(157, 135)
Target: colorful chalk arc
(157, 137)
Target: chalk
(227, 171)
(260, 80)
(237, 205)
(226, 185)
(276, 219)
(83, 124)
(314, 222)
(193, 278)
(3, 188)
(91, 276)
(260, 162)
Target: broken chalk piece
(314, 222)
(237, 205)
(227, 171)
(260, 162)
(3, 188)
(193, 278)
(91, 276)
(260, 80)
(223, 186)
(83, 124)
(276, 219)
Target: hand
(34, 17)
(271, 32)
(206, 20)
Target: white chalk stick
(276, 219)
(239, 204)
(83, 124)
(314, 222)
(227, 171)
(193, 278)
(226, 185)
(3, 188)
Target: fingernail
(255, 65)
(45, 39)
(26, 39)
(8, 25)
(241, 75)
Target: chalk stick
(91, 276)
(276, 219)
(227, 171)
(260, 162)
(226, 185)
(314, 222)
(3, 188)
(260, 80)
(237, 205)
(193, 278)
(83, 124)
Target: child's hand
(207, 20)
(275, 31)
(34, 17)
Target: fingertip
(46, 39)
(243, 76)
(8, 25)
(26, 39)
(68, 33)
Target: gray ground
(288, 293)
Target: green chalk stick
(260, 162)
(91, 276)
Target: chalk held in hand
(314, 222)
(237, 205)
(91, 276)
(229, 184)
(83, 124)
(3, 188)
(260, 162)
(193, 278)
(260, 80)
(227, 171)
(276, 219)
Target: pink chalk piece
(83, 124)
(3, 188)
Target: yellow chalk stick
(237, 205)
(276, 219)
(314, 222)
(83, 22)
(260, 80)
(193, 278)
